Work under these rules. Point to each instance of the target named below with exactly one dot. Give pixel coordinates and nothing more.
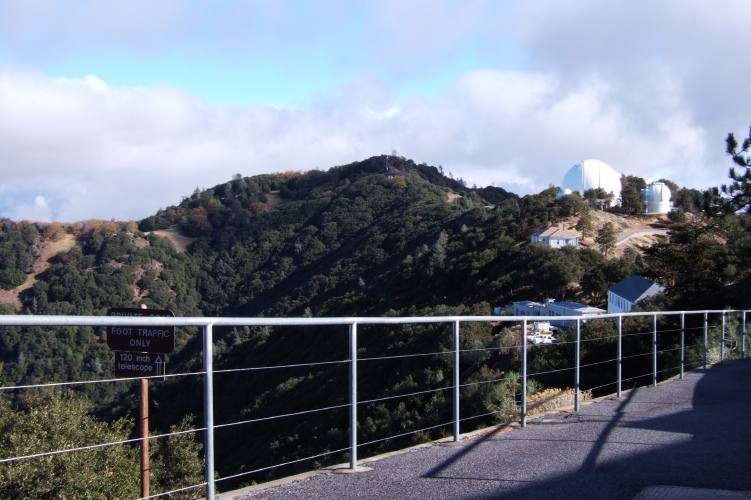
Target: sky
(113, 109)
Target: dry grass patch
(552, 399)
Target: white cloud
(36, 211)
(99, 151)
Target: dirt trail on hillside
(173, 233)
(274, 199)
(40, 265)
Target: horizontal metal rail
(719, 330)
(42, 320)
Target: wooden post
(144, 416)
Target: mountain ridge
(379, 237)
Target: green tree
(690, 263)
(584, 224)
(571, 204)
(11, 278)
(688, 200)
(739, 190)
(631, 196)
(606, 238)
(51, 422)
(177, 462)
(598, 194)
(638, 182)
(632, 200)
(556, 273)
(671, 185)
(594, 283)
(598, 279)
(678, 216)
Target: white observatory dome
(658, 198)
(592, 174)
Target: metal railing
(721, 334)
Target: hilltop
(362, 238)
(355, 239)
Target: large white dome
(592, 174)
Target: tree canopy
(739, 190)
(606, 238)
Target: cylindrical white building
(658, 198)
(591, 174)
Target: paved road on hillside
(640, 232)
(690, 433)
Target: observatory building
(657, 196)
(591, 174)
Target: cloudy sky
(116, 108)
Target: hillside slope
(42, 262)
(384, 236)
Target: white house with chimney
(557, 237)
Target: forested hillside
(384, 236)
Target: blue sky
(113, 109)
(286, 53)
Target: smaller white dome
(658, 191)
(563, 192)
(658, 198)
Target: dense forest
(380, 237)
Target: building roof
(569, 305)
(556, 232)
(635, 288)
(526, 303)
(578, 307)
(572, 306)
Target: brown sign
(139, 364)
(154, 339)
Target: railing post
(524, 375)
(620, 357)
(706, 337)
(577, 363)
(353, 396)
(208, 407)
(654, 350)
(144, 418)
(743, 340)
(683, 342)
(722, 345)
(456, 381)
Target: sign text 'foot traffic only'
(152, 339)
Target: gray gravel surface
(688, 433)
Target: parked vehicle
(541, 332)
(541, 338)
